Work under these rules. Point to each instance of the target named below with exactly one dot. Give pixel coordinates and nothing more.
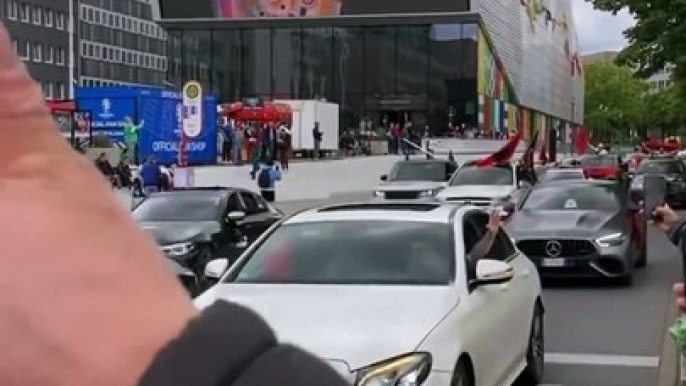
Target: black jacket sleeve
(676, 235)
(228, 345)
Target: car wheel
(462, 376)
(535, 354)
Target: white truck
(305, 114)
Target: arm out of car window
(480, 251)
(228, 345)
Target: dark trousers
(268, 195)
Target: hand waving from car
(664, 217)
(494, 221)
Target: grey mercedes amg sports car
(580, 228)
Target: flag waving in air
(504, 154)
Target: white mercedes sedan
(384, 293)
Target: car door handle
(526, 273)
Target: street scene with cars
(393, 264)
(435, 193)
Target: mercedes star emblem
(553, 248)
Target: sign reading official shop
(175, 9)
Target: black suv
(674, 171)
(194, 226)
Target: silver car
(415, 179)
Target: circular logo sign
(192, 91)
(553, 248)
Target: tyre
(462, 376)
(535, 354)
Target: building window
(37, 52)
(60, 22)
(26, 12)
(38, 15)
(26, 53)
(12, 10)
(49, 17)
(61, 91)
(50, 54)
(61, 56)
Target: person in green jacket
(131, 138)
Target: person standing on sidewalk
(267, 177)
(317, 138)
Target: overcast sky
(599, 31)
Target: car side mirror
(384, 177)
(491, 272)
(236, 216)
(215, 269)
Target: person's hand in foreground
(85, 299)
(680, 292)
(665, 217)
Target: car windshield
(353, 253)
(566, 197)
(599, 160)
(489, 175)
(420, 171)
(178, 207)
(659, 167)
(557, 175)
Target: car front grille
(569, 248)
(402, 195)
(477, 201)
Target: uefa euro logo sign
(106, 105)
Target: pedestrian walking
(285, 141)
(317, 139)
(267, 177)
(151, 175)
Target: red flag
(504, 154)
(581, 141)
(543, 155)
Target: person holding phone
(669, 221)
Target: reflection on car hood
(359, 325)
(528, 223)
(486, 191)
(170, 232)
(405, 186)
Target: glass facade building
(486, 64)
(376, 68)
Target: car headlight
(379, 193)
(406, 370)
(180, 249)
(610, 240)
(428, 193)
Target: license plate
(553, 262)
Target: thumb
(28, 135)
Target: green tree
(614, 100)
(657, 38)
(665, 111)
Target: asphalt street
(598, 334)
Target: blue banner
(161, 111)
(108, 113)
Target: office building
(492, 64)
(120, 44)
(40, 34)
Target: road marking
(602, 360)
